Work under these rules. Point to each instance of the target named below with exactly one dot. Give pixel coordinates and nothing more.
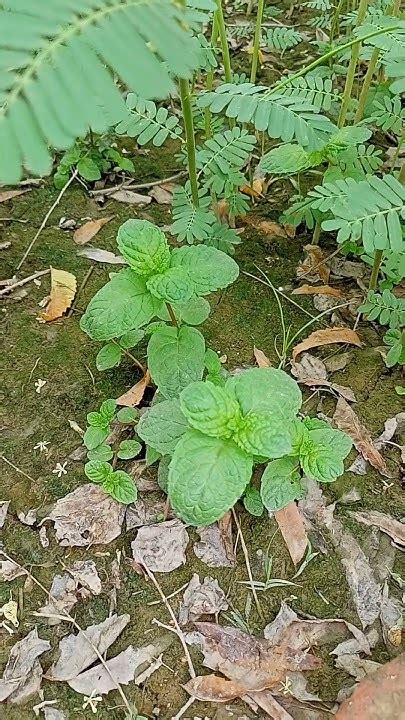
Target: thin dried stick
(248, 568)
(17, 469)
(65, 616)
(45, 220)
(9, 288)
(178, 630)
(80, 290)
(173, 594)
(140, 186)
(185, 707)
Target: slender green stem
(256, 44)
(172, 315)
(351, 71)
(317, 233)
(226, 58)
(210, 79)
(335, 25)
(366, 85)
(376, 268)
(402, 174)
(190, 139)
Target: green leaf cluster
(148, 123)
(282, 38)
(384, 307)
(92, 158)
(395, 339)
(116, 483)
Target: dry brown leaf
(313, 266)
(22, 676)
(86, 232)
(253, 192)
(292, 528)
(131, 198)
(10, 194)
(329, 336)
(87, 516)
(10, 571)
(142, 513)
(309, 369)
(4, 505)
(163, 194)
(347, 268)
(380, 696)
(63, 290)
(347, 420)
(161, 547)
(77, 654)
(215, 548)
(211, 688)
(338, 362)
(102, 256)
(199, 599)
(269, 704)
(386, 523)
(134, 395)
(269, 227)
(391, 426)
(317, 290)
(261, 359)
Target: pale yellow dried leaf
(10, 194)
(134, 396)
(63, 290)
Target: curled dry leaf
(4, 505)
(82, 579)
(10, 571)
(102, 256)
(199, 599)
(63, 290)
(131, 198)
(380, 696)
(317, 290)
(391, 426)
(163, 194)
(329, 336)
(211, 688)
(394, 528)
(292, 528)
(261, 359)
(134, 396)
(311, 371)
(86, 232)
(87, 516)
(23, 673)
(10, 194)
(215, 548)
(161, 547)
(347, 420)
(28, 518)
(142, 513)
(313, 266)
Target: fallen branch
(9, 288)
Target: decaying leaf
(142, 513)
(394, 528)
(261, 359)
(161, 547)
(63, 290)
(4, 505)
(102, 256)
(10, 612)
(268, 227)
(292, 528)
(23, 673)
(211, 688)
(311, 371)
(28, 518)
(10, 571)
(10, 194)
(134, 396)
(347, 420)
(356, 666)
(86, 575)
(391, 426)
(313, 266)
(347, 268)
(87, 516)
(338, 362)
(199, 599)
(380, 696)
(62, 598)
(86, 232)
(317, 290)
(76, 652)
(215, 548)
(131, 198)
(53, 714)
(163, 194)
(328, 336)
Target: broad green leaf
(253, 502)
(194, 312)
(298, 433)
(121, 487)
(97, 470)
(216, 373)
(264, 435)
(266, 390)
(94, 436)
(162, 425)
(96, 419)
(108, 357)
(209, 268)
(175, 358)
(107, 409)
(210, 409)
(121, 305)
(151, 455)
(323, 451)
(206, 477)
(101, 452)
(285, 160)
(131, 338)
(89, 169)
(127, 415)
(129, 449)
(163, 473)
(144, 247)
(280, 483)
(173, 286)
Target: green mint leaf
(163, 473)
(144, 247)
(194, 312)
(175, 358)
(107, 409)
(101, 452)
(94, 436)
(210, 409)
(108, 357)
(298, 433)
(151, 455)
(129, 449)
(210, 269)
(206, 477)
(253, 502)
(162, 425)
(173, 286)
(97, 470)
(127, 415)
(121, 487)
(280, 483)
(121, 305)
(216, 373)
(131, 338)
(264, 435)
(323, 451)
(266, 390)
(88, 169)
(96, 419)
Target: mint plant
(215, 435)
(92, 157)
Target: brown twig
(248, 568)
(132, 357)
(17, 469)
(140, 186)
(80, 290)
(9, 288)
(46, 218)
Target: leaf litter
(23, 673)
(102, 256)
(63, 290)
(346, 419)
(311, 371)
(394, 528)
(134, 395)
(201, 598)
(161, 547)
(391, 426)
(215, 547)
(82, 580)
(328, 336)
(86, 232)
(292, 528)
(4, 505)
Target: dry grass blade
(347, 420)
